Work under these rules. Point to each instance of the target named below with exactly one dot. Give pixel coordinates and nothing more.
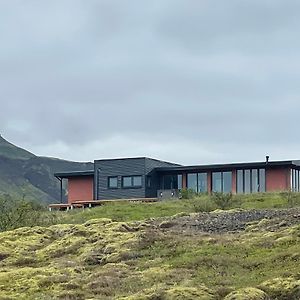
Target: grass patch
(126, 211)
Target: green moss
(247, 294)
(282, 288)
(189, 293)
(178, 292)
(106, 259)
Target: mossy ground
(105, 259)
(111, 252)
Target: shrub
(222, 200)
(18, 213)
(187, 194)
(291, 198)
(203, 205)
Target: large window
(227, 182)
(247, 180)
(295, 180)
(197, 182)
(254, 181)
(179, 181)
(202, 182)
(240, 181)
(192, 182)
(113, 182)
(217, 182)
(222, 182)
(132, 181)
(170, 182)
(250, 181)
(262, 180)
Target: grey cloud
(190, 81)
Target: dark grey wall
(151, 164)
(126, 167)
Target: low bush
(187, 194)
(292, 198)
(222, 200)
(203, 204)
(19, 213)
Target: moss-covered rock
(189, 293)
(282, 288)
(174, 293)
(103, 259)
(247, 294)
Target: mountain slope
(11, 151)
(25, 175)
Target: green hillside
(24, 175)
(11, 151)
(222, 255)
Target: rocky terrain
(234, 220)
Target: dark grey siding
(126, 167)
(119, 167)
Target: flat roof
(138, 157)
(74, 174)
(232, 166)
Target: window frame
(132, 186)
(222, 181)
(261, 180)
(108, 182)
(197, 181)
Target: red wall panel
(184, 183)
(80, 188)
(278, 179)
(233, 185)
(209, 185)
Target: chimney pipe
(267, 158)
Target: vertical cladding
(127, 167)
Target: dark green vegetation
(20, 213)
(142, 251)
(26, 176)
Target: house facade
(142, 177)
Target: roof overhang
(72, 174)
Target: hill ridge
(10, 150)
(24, 174)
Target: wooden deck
(92, 203)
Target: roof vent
(267, 158)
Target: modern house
(145, 178)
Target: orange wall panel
(277, 179)
(80, 188)
(184, 183)
(233, 186)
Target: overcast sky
(188, 81)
